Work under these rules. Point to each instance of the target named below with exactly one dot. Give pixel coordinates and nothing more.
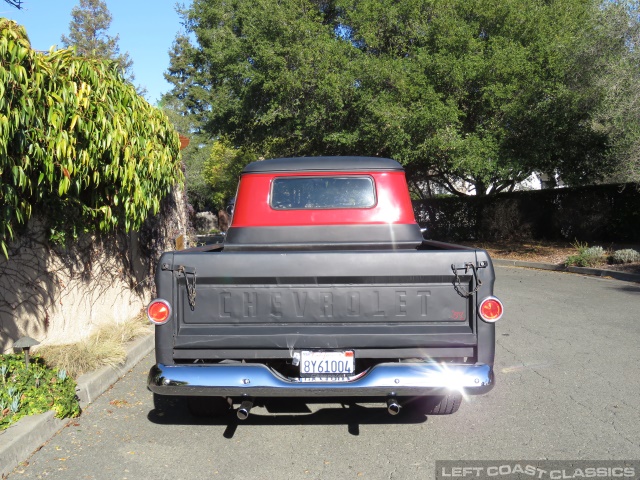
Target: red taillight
(159, 311)
(491, 309)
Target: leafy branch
(78, 145)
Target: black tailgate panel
(344, 299)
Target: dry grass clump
(104, 347)
(134, 328)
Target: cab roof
(323, 164)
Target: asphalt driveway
(568, 385)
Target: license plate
(326, 364)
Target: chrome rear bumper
(257, 380)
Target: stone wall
(60, 295)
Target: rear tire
(163, 403)
(439, 404)
(208, 407)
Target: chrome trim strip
(258, 380)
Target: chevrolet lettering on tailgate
(336, 303)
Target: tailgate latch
(188, 272)
(457, 283)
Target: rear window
(295, 193)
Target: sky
(147, 29)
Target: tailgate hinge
(457, 284)
(188, 272)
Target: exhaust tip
(244, 409)
(393, 407)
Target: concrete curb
(626, 277)
(19, 441)
(92, 385)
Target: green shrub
(595, 252)
(37, 389)
(586, 256)
(627, 255)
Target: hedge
(78, 146)
(608, 213)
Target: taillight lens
(159, 311)
(491, 309)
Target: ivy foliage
(37, 389)
(78, 145)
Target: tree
(617, 75)
(200, 194)
(223, 168)
(460, 91)
(90, 22)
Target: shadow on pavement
(626, 287)
(352, 414)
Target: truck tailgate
(320, 300)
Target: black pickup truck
(324, 287)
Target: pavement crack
(510, 351)
(621, 435)
(612, 423)
(540, 375)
